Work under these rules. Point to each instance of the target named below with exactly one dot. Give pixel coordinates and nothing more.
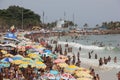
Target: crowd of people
(14, 72)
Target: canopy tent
(11, 36)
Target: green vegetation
(111, 25)
(65, 25)
(24, 18)
(16, 15)
(19, 16)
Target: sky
(91, 12)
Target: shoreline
(104, 72)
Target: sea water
(90, 43)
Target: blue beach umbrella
(52, 55)
(17, 58)
(4, 64)
(7, 60)
(54, 72)
(47, 51)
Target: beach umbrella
(62, 65)
(8, 55)
(7, 59)
(28, 47)
(5, 64)
(50, 76)
(4, 52)
(39, 64)
(18, 56)
(84, 69)
(27, 60)
(33, 55)
(39, 47)
(17, 62)
(44, 76)
(84, 78)
(55, 72)
(71, 77)
(21, 48)
(47, 51)
(10, 44)
(59, 61)
(23, 65)
(83, 74)
(71, 68)
(65, 76)
(57, 77)
(52, 55)
(32, 50)
(39, 59)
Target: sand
(104, 74)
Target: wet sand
(104, 74)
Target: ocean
(110, 47)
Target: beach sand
(104, 74)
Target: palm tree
(97, 26)
(85, 26)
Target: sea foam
(77, 45)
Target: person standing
(95, 56)
(100, 62)
(115, 59)
(118, 75)
(89, 55)
(97, 77)
(109, 59)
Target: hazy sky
(85, 11)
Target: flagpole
(43, 16)
(22, 18)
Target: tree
(85, 26)
(97, 26)
(13, 16)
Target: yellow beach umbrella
(8, 55)
(18, 55)
(71, 68)
(39, 64)
(83, 74)
(23, 65)
(62, 65)
(17, 62)
(39, 46)
(84, 69)
(4, 52)
(84, 79)
(27, 60)
(33, 55)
